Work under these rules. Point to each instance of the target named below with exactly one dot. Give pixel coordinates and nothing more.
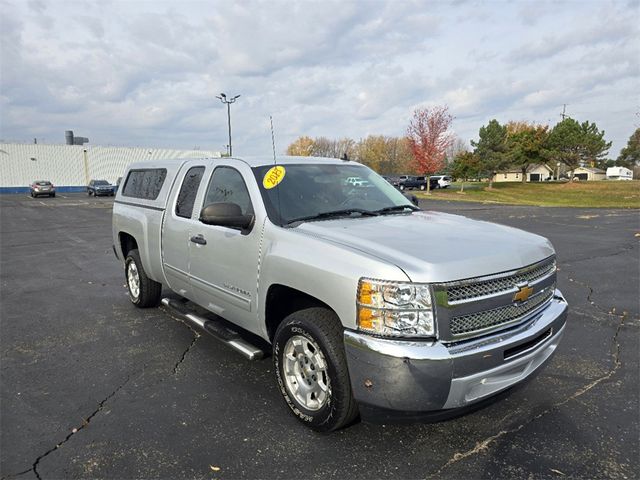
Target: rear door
(179, 223)
(224, 264)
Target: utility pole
(228, 101)
(564, 109)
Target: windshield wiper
(396, 208)
(334, 214)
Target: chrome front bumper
(425, 376)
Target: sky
(140, 73)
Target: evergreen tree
(576, 144)
(630, 155)
(491, 149)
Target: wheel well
(282, 301)
(127, 243)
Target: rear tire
(311, 369)
(143, 292)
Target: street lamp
(228, 101)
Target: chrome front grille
(480, 321)
(478, 306)
(471, 290)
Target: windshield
(101, 182)
(311, 190)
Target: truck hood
(433, 246)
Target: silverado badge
(523, 293)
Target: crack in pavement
(612, 311)
(176, 367)
(85, 422)
(484, 444)
(196, 336)
(626, 249)
(74, 431)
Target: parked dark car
(100, 187)
(410, 182)
(42, 187)
(407, 182)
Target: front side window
(227, 186)
(188, 192)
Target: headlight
(397, 309)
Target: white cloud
(138, 73)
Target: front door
(178, 224)
(224, 265)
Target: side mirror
(225, 215)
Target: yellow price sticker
(273, 177)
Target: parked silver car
(42, 187)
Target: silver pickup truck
(368, 305)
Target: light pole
(228, 101)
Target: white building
(70, 167)
(589, 173)
(619, 173)
(534, 173)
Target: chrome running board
(216, 329)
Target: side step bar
(216, 329)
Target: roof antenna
(273, 144)
(273, 141)
(345, 157)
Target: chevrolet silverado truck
(368, 305)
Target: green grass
(603, 194)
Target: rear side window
(144, 183)
(188, 191)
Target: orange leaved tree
(429, 137)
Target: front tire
(143, 292)
(311, 369)
(422, 187)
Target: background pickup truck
(369, 306)
(409, 182)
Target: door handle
(199, 239)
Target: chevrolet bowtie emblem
(523, 293)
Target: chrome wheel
(305, 373)
(133, 280)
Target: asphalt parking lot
(92, 387)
